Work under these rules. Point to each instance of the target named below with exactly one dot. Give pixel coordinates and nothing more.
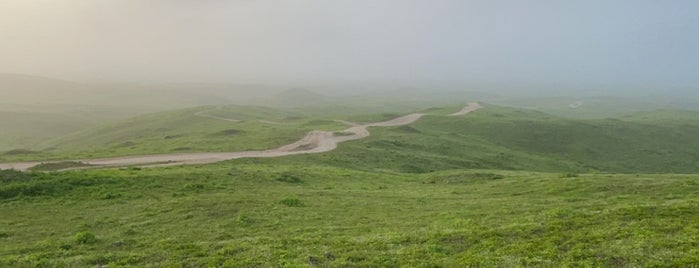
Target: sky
(575, 44)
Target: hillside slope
(508, 138)
(496, 137)
(247, 215)
(201, 129)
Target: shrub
(291, 202)
(110, 195)
(55, 166)
(194, 186)
(85, 237)
(289, 178)
(488, 176)
(11, 175)
(29, 189)
(244, 219)
(464, 178)
(570, 175)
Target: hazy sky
(611, 43)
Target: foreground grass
(238, 214)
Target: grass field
(242, 215)
(501, 187)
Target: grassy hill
(36, 109)
(201, 129)
(21, 130)
(495, 137)
(507, 138)
(501, 187)
(245, 215)
(597, 107)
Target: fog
(599, 45)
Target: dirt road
(473, 106)
(313, 142)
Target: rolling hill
(493, 138)
(451, 191)
(201, 129)
(517, 139)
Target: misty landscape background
(598, 48)
(72, 65)
(349, 133)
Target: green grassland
(496, 137)
(515, 139)
(501, 187)
(201, 129)
(246, 215)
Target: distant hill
(599, 106)
(26, 89)
(662, 141)
(199, 129)
(294, 98)
(18, 89)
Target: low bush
(289, 179)
(570, 175)
(85, 238)
(291, 202)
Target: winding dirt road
(471, 107)
(313, 142)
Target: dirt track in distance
(471, 107)
(313, 142)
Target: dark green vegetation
(56, 166)
(243, 215)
